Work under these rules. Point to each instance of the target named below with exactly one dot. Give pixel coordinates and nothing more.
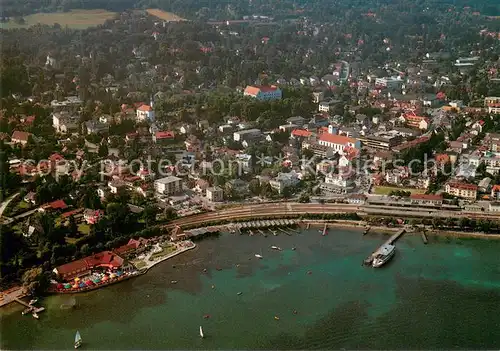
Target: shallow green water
(442, 295)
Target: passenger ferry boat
(383, 255)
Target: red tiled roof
(463, 186)
(55, 157)
(70, 213)
(165, 135)
(101, 259)
(496, 188)
(57, 205)
(145, 108)
(301, 133)
(336, 139)
(18, 135)
(254, 90)
(426, 197)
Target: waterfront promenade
(148, 263)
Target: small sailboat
(258, 256)
(173, 282)
(276, 248)
(78, 340)
(239, 293)
(32, 302)
(201, 332)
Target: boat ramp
(391, 241)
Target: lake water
(442, 295)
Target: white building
(145, 113)
(215, 194)
(284, 180)
(168, 186)
(389, 82)
(64, 122)
(248, 134)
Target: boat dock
(390, 241)
(30, 308)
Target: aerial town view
(249, 174)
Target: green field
(77, 19)
(385, 190)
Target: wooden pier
(31, 308)
(390, 241)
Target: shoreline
(361, 225)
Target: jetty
(284, 231)
(424, 237)
(390, 241)
(262, 232)
(325, 229)
(29, 308)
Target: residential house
(192, 143)
(247, 135)
(19, 137)
(477, 127)
(96, 127)
(116, 185)
(92, 216)
(170, 185)
(485, 185)
(318, 96)
(328, 105)
(493, 104)
(284, 180)
(296, 120)
(495, 192)
(415, 121)
(145, 113)
(64, 122)
(215, 194)
(463, 190)
(53, 206)
(263, 92)
(164, 136)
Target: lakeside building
(84, 266)
(168, 186)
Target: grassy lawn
(139, 264)
(385, 190)
(84, 228)
(77, 19)
(167, 249)
(166, 16)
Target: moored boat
(383, 255)
(201, 332)
(78, 340)
(35, 315)
(258, 256)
